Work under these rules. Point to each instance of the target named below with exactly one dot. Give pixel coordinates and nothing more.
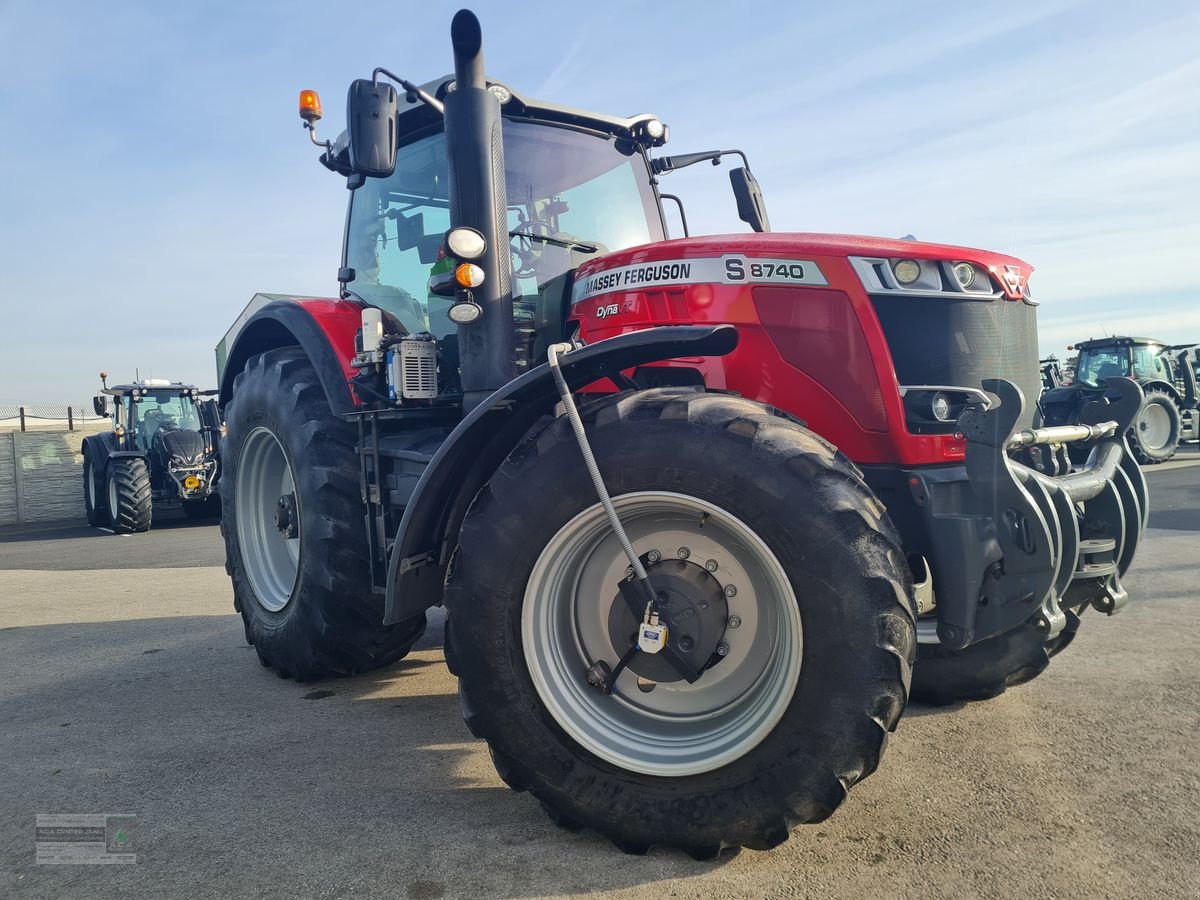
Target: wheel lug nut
(683, 552)
(629, 571)
(722, 649)
(686, 644)
(711, 565)
(735, 621)
(654, 556)
(730, 591)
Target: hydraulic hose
(670, 654)
(589, 460)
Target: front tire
(986, 669)
(1154, 435)
(130, 500)
(824, 591)
(292, 517)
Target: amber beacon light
(310, 106)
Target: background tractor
(679, 615)
(1170, 412)
(163, 449)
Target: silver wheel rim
(1155, 426)
(91, 486)
(113, 506)
(271, 561)
(674, 729)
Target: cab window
(1147, 363)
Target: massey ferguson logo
(1014, 280)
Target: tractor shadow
(370, 785)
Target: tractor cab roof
(151, 386)
(1115, 341)
(417, 119)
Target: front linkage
(1052, 542)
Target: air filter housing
(412, 368)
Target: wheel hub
(285, 516)
(689, 601)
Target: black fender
(99, 448)
(283, 323)
(481, 441)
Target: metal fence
(48, 417)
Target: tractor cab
(1122, 357)
(571, 195)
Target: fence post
(18, 482)
(70, 420)
(21, 413)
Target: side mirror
(100, 405)
(372, 113)
(752, 209)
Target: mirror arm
(409, 87)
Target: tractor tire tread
(763, 817)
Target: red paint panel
(818, 332)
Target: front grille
(961, 342)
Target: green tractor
(1170, 412)
(162, 449)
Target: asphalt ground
(126, 687)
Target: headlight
(934, 409)
(907, 271)
(941, 407)
(964, 274)
(464, 313)
(465, 243)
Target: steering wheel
(526, 250)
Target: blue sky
(154, 173)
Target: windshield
(571, 195)
(162, 409)
(1099, 363)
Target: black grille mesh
(962, 342)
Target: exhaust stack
(478, 199)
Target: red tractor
(694, 506)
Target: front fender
(323, 329)
(481, 441)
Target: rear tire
(987, 669)
(94, 495)
(130, 501)
(306, 601)
(839, 566)
(1154, 435)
